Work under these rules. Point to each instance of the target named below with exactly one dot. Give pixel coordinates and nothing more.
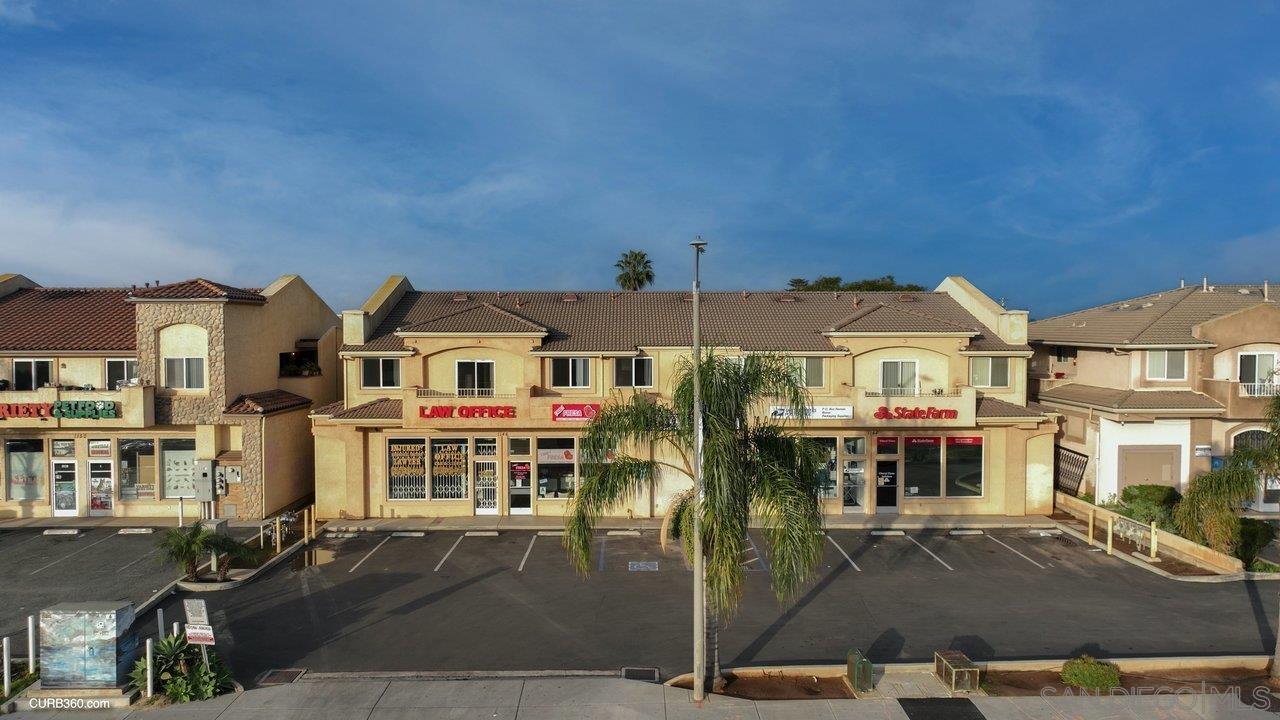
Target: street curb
(1138, 562)
(228, 585)
(452, 674)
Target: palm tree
(186, 547)
(635, 270)
(751, 466)
(230, 550)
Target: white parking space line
(763, 563)
(845, 554)
(371, 552)
(1015, 552)
(935, 557)
(455, 545)
(22, 542)
(77, 552)
(527, 550)
(140, 559)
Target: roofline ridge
(515, 316)
(917, 313)
(1157, 318)
(1112, 302)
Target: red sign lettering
(467, 412)
(964, 440)
(915, 413)
(574, 411)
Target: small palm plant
(751, 466)
(635, 271)
(230, 550)
(187, 547)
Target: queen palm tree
(752, 465)
(635, 270)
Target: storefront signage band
(66, 409)
(467, 411)
(574, 412)
(915, 413)
(813, 412)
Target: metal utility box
(956, 671)
(86, 644)
(861, 674)
(204, 481)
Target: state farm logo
(915, 413)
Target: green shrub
(1145, 511)
(180, 673)
(1162, 495)
(1087, 673)
(1254, 535)
(1263, 566)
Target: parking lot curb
(452, 674)
(1137, 562)
(228, 585)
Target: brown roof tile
(198, 289)
(380, 409)
(266, 402)
(482, 318)
(1129, 400)
(1165, 318)
(67, 319)
(329, 408)
(989, 407)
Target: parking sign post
(151, 680)
(7, 686)
(31, 644)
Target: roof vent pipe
(1204, 283)
(1182, 282)
(1266, 291)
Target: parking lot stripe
(140, 559)
(1015, 552)
(22, 542)
(845, 554)
(527, 550)
(77, 552)
(371, 552)
(935, 557)
(446, 555)
(763, 563)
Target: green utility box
(861, 674)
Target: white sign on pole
(814, 412)
(196, 611)
(199, 634)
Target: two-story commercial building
(1151, 389)
(112, 400)
(461, 403)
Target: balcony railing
(1262, 389)
(913, 392)
(463, 393)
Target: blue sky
(1058, 155)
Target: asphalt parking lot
(38, 570)
(450, 601)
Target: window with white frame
(634, 372)
(899, 377)
(571, 372)
(380, 372)
(184, 373)
(475, 378)
(1258, 373)
(1166, 365)
(32, 374)
(810, 369)
(989, 372)
(120, 371)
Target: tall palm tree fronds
(635, 270)
(751, 465)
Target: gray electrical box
(224, 475)
(204, 481)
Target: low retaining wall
(1175, 546)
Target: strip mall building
(462, 403)
(119, 401)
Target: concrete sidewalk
(612, 698)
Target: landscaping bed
(780, 686)
(1024, 683)
(1124, 545)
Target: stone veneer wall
(203, 409)
(251, 470)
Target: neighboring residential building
(461, 403)
(1153, 388)
(115, 401)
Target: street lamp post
(699, 569)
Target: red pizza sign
(915, 413)
(467, 412)
(574, 412)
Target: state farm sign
(574, 412)
(915, 413)
(467, 412)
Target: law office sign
(65, 409)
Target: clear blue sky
(1058, 155)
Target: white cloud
(19, 12)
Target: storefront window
(887, 445)
(922, 466)
(826, 479)
(449, 469)
(137, 468)
(178, 460)
(406, 469)
(518, 446)
(964, 467)
(855, 445)
(556, 476)
(24, 467)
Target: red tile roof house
(125, 401)
(1153, 388)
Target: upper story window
(633, 372)
(1062, 353)
(810, 369)
(380, 372)
(1166, 365)
(989, 372)
(571, 372)
(184, 373)
(475, 378)
(32, 374)
(1258, 369)
(120, 372)
(899, 377)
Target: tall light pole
(699, 569)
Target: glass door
(65, 502)
(486, 470)
(854, 478)
(887, 474)
(102, 488)
(520, 487)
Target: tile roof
(329, 408)
(989, 407)
(198, 289)
(600, 321)
(1129, 400)
(1164, 318)
(266, 402)
(380, 409)
(67, 319)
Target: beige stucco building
(128, 401)
(1154, 388)
(472, 403)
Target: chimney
(1204, 284)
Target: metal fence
(1068, 470)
